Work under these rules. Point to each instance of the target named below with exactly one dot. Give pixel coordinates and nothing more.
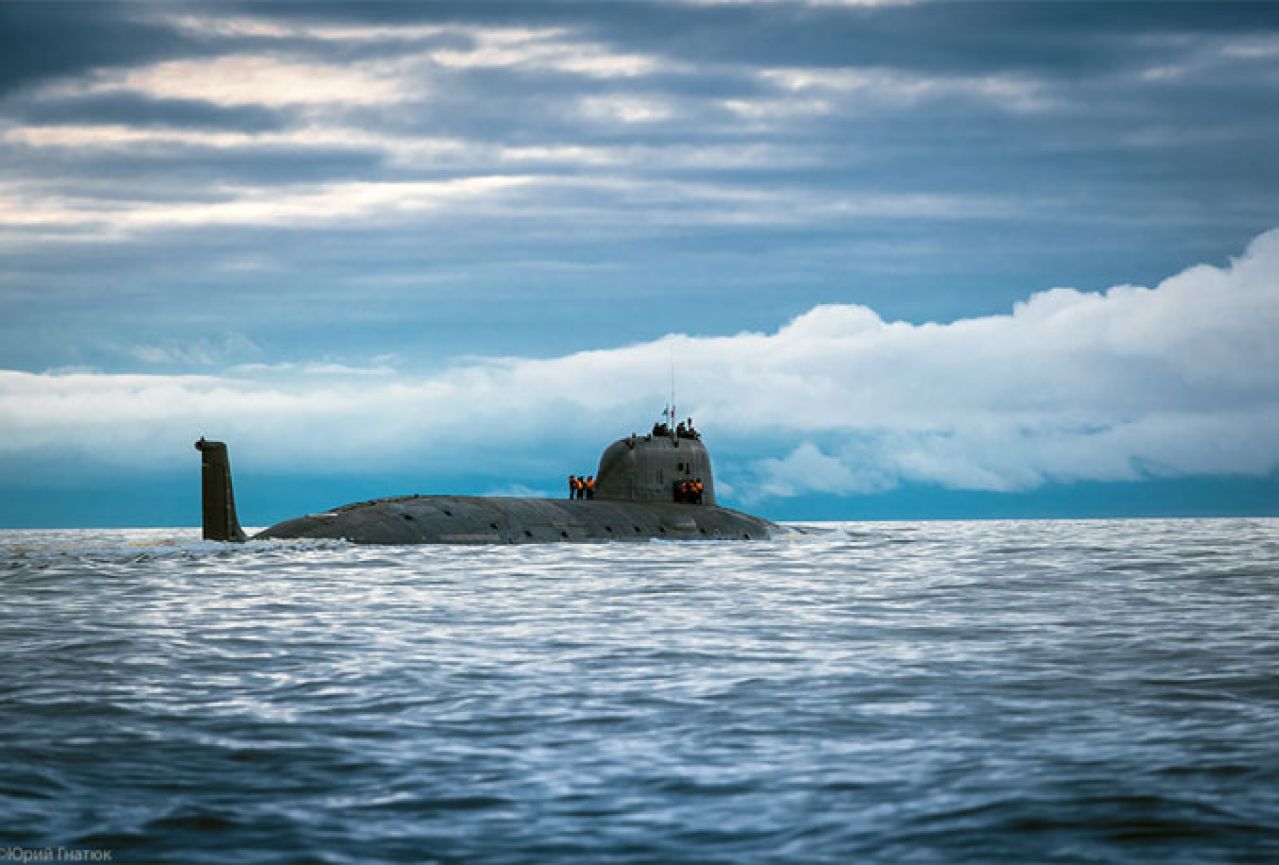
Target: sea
(930, 692)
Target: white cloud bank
(1174, 380)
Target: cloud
(246, 26)
(549, 49)
(456, 46)
(331, 369)
(762, 110)
(1133, 382)
(424, 151)
(625, 109)
(541, 178)
(891, 86)
(585, 109)
(201, 352)
(299, 75)
(607, 199)
(303, 204)
(247, 79)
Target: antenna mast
(672, 346)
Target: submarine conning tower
(648, 468)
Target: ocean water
(944, 692)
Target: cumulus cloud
(1135, 382)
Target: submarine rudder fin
(217, 499)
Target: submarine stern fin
(217, 499)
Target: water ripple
(1087, 691)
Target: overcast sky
(911, 259)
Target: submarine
(640, 495)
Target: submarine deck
(495, 520)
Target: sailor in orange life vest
(690, 491)
(573, 486)
(588, 486)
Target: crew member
(590, 486)
(572, 487)
(697, 490)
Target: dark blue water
(926, 693)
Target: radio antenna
(672, 346)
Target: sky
(907, 259)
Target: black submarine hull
(494, 520)
(640, 479)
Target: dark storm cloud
(39, 41)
